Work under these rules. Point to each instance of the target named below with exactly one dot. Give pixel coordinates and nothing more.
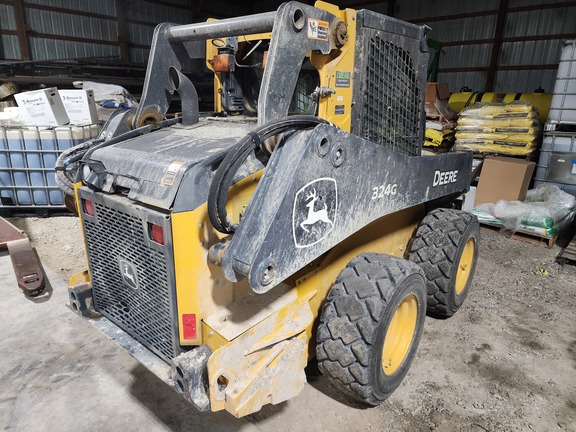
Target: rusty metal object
(29, 274)
(70, 203)
(149, 116)
(224, 63)
(8, 233)
(340, 34)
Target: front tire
(370, 326)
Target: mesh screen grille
(301, 99)
(391, 99)
(144, 312)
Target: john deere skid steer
(226, 251)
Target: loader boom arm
(320, 187)
(291, 41)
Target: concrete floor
(505, 362)
(57, 373)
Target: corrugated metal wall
(48, 22)
(523, 65)
(10, 48)
(141, 18)
(545, 22)
(53, 33)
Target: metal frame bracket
(26, 264)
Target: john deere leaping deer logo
(128, 273)
(315, 215)
(314, 212)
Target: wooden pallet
(524, 236)
(532, 157)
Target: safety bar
(258, 23)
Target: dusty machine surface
(226, 252)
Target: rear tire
(370, 326)
(446, 247)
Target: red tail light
(189, 326)
(157, 233)
(88, 207)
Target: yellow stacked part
(435, 138)
(508, 129)
(500, 126)
(497, 136)
(460, 100)
(541, 102)
(501, 111)
(512, 148)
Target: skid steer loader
(226, 251)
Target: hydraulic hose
(230, 165)
(63, 175)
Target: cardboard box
(80, 106)
(504, 178)
(436, 103)
(435, 90)
(41, 108)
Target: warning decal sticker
(318, 29)
(342, 79)
(171, 172)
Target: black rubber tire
(437, 248)
(354, 321)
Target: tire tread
(351, 338)
(435, 249)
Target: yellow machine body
(327, 66)
(260, 343)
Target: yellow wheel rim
(399, 335)
(464, 266)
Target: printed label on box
(80, 106)
(41, 108)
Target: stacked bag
(545, 212)
(437, 140)
(440, 118)
(511, 129)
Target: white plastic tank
(27, 159)
(563, 105)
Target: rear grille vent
(144, 312)
(392, 99)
